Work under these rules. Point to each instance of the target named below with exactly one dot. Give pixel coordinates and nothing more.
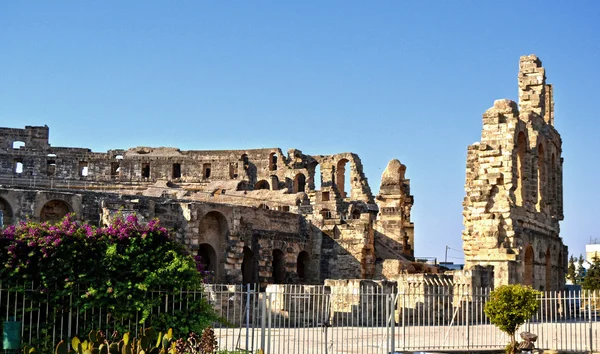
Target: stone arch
(540, 177)
(248, 267)
(314, 176)
(520, 193)
(528, 266)
(548, 270)
(302, 265)
(273, 161)
(7, 212)
(54, 210)
(213, 229)
(278, 266)
(341, 178)
(208, 258)
(299, 183)
(262, 184)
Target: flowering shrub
(111, 267)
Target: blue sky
(386, 79)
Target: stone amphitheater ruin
(257, 216)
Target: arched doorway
(302, 264)
(208, 259)
(54, 211)
(7, 213)
(278, 267)
(213, 232)
(248, 267)
(528, 266)
(299, 183)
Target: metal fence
(334, 319)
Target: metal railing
(332, 319)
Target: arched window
(528, 266)
(278, 267)
(7, 213)
(248, 267)
(299, 183)
(302, 264)
(263, 206)
(541, 177)
(273, 161)
(520, 193)
(355, 214)
(342, 179)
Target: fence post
(247, 316)
(263, 321)
(591, 332)
(468, 323)
(403, 324)
(393, 319)
(387, 323)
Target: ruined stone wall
(513, 201)
(255, 215)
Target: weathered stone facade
(513, 201)
(253, 215)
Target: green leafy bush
(114, 268)
(510, 306)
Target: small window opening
(18, 144)
(146, 170)
(18, 166)
(206, 169)
(83, 168)
(119, 157)
(51, 167)
(285, 208)
(263, 206)
(325, 196)
(355, 214)
(115, 169)
(176, 170)
(326, 214)
(273, 161)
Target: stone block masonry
(513, 201)
(254, 216)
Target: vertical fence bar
(247, 316)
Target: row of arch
(547, 184)
(52, 211)
(551, 280)
(209, 260)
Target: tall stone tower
(513, 201)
